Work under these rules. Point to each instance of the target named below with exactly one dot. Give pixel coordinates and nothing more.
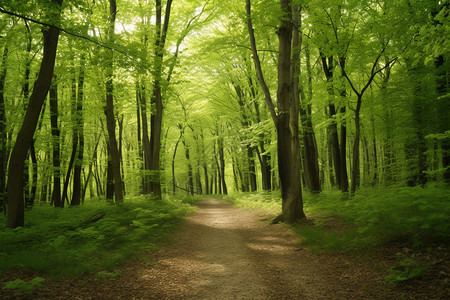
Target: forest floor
(223, 252)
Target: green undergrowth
(269, 202)
(70, 242)
(373, 216)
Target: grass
(340, 222)
(62, 242)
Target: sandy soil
(222, 252)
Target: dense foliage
(134, 100)
(376, 216)
(74, 243)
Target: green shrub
(270, 202)
(406, 269)
(370, 217)
(64, 242)
(21, 287)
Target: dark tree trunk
(343, 135)
(156, 100)
(74, 143)
(76, 196)
(56, 131)
(264, 161)
(205, 165)
(343, 153)
(189, 165)
(122, 171)
(109, 180)
(251, 169)
(34, 167)
(3, 133)
(309, 141)
(174, 183)
(222, 166)
(145, 141)
(332, 128)
(109, 111)
(25, 136)
(355, 151)
(88, 182)
(287, 126)
(263, 157)
(286, 119)
(139, 134)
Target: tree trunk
(3, 133)
(156, 100)
(287, 126)
(222, 166)
(355, 152)
(189, 165)
(286, 118)
(109, 111)
(343, 152)
(174, 185)
(332, 128)
(76, 196)
(251, 168)
(264, 161)
(343, 136)
(109, 179)
(56, 131)
(309, 141)
(145, 141)
(25, 136)
(263, 157)
(205, 165)
(139, 134)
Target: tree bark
(77, 195)
(327, 64)
(156, 100)
(25, 136)
(3, 133)
(286, 119)
(310, 155)
(205, 165)
(190, 187)
(355, 152)
(174, 184)
(222, 165)
(109, 111)
(263, 157)
(56, 131)
(287, 127)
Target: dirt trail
(222, 252)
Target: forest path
(223, 252)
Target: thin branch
(257, 63)
(65, 31)
(259, 50)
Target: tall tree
(156, 99)
(25, 136)
(286, 116)
(109, 108)
(76, 196)
(3, 132)
(56, 132)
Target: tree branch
(65, 31)
(257, 63)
